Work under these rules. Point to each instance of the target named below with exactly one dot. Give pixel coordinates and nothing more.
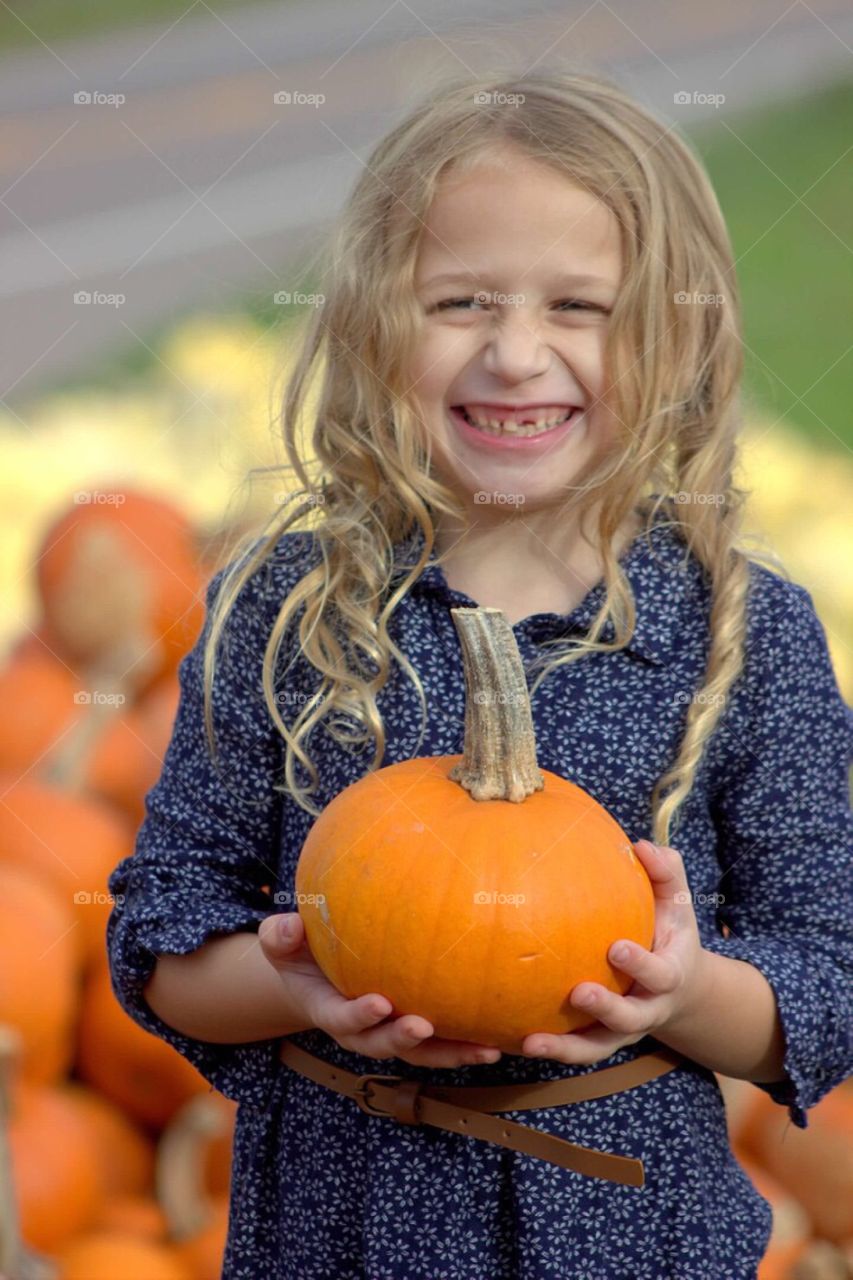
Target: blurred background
(168, 171)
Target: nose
(514, 351)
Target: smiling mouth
(496, 427)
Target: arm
(732, 1024)
(227, 992)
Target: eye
(574, 303)
(453, 302)
(584, 306)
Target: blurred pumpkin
(120, 586)
(54, 1162)
(135, 1216)
(137, 1070)
(116, 1255)
(197, 1216)
(125, 1153)
(815, 1164)
(791, 1229)
(38, 696)
(127, 759)
(72, 842)
(39, 970)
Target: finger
(281, 935)
(340, 1017)
(650, 969)
(412, 1039)
(436, 1052)
(578, 1048)
(665, 869)
(627, 1015)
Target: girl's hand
(360, 1025)
(666, 979)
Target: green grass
(795, 263)
(29, 23)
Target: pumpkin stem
(17, 1262)
(499, 753)
(180, 1166)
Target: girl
(529, 358)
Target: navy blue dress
(322, 1191)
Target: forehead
(513, 214)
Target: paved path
(199, 184)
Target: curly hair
(674, 391)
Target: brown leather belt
(461, 1109)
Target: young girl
(529, 358)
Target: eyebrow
(571, 280)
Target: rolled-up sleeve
(208, 846)
(786, 846)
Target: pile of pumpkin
(114, 1151)
(805, 1174)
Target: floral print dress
(322, 1191)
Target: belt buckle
(361, 1089)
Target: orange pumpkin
(120, 586)
(127, 759)
(198, 1220)
(55, 1169)
(110, 1255)
(204, 1251)
(791, 1229)
(135, 1216)
(138, 1071)
(39, 971)
(73, 842)
(475, 891)
(37, 694)
(125, 1152)
(815, 1164)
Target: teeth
(494, 427)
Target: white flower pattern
(321, 1191)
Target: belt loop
(406, 1101)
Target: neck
(528, 544)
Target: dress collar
(666, 581)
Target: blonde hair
(674, 375)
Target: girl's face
(517, 333)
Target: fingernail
(586, 1000)
(285, 928)
(620, 952)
